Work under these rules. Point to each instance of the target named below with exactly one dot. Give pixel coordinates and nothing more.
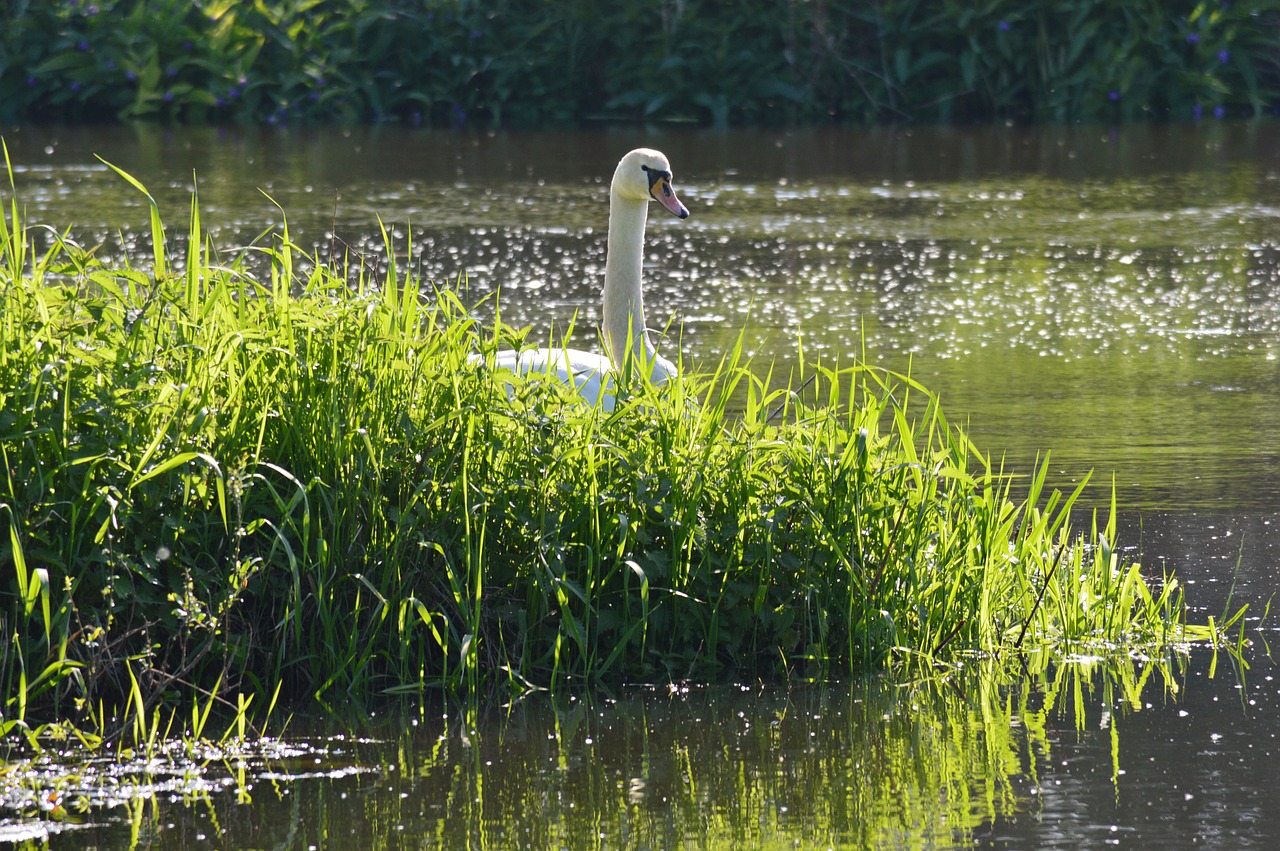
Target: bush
(539, 62)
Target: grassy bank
(527, 62)
(246, 473)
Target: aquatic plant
(452, 63)
(262, 475)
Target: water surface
(1107, 295)
(1136, 755)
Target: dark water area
(1106, 295)
(1082, 755)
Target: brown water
(1109, 295)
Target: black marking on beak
(661, 179)
(656, 174)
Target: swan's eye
(654, 175)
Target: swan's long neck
(623, 319)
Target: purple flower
(131, 76)
(168, 97)
(475, 34)
(1113, 95)
(75, 86)
(1219, 111)
(83, 46)
(31, 80)
(1004, 26)
(459, 115)
(1197, 112)
(171, 72)
(1224, 56)
(1193, 38)
(91, 9)
(186, 45)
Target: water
(960, 764)
(1106, 294)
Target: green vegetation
(260, 475)
(532, 62)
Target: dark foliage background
(541, 62)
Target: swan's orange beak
(662, 192)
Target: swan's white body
(641, 176)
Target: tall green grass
(224, 474)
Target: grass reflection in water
(865, 763)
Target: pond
(1108, 295)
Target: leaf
(157, 226)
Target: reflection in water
(1059, 756)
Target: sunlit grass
(226, 475)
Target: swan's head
(645, 174)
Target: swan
(643, 175)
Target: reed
(531, 63)
(256, 474)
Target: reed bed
(527, 63)
(255, 474)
